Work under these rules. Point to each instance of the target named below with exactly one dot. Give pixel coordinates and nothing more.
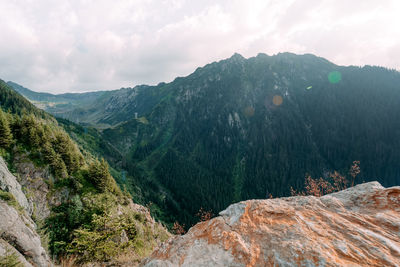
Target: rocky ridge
(359, 226)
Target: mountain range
(239, 129)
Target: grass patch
(10, 259)
(9, 198)
(11, 201)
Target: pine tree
(101, 177)
(55, 160)
(5, 132)
(70, 154)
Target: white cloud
(60, 46)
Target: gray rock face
(9, 183)
(18, 230)
(33, 181)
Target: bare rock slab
(359, 226)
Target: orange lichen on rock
(359, 226)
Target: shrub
(100, 176)
(178, 229)
(320, 187)
(111, 234)
(204, 215)
(9, 198)
(10, 259)
(60, 225)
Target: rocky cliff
(26, 200)
(9, 183)
(359, 226)
(18, 234)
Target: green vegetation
(58, 103)
(5, 132)
(97, 221)
(93, 144)
(10, 259)
(100, 227)
(47, 143)
(16, 104)
(9, 198)
(217, 136)
(187, 156)
(110, 234)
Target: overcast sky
(73, 46)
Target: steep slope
(81, 213)
(244, 128)
(18, 231)
(355, 227)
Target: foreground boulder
(359, 226)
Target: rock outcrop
(18, 230)
(359, 226)
(35, 181)
(9, 183)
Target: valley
(242, 128)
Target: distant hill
(56, 104)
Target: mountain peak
(237, 56)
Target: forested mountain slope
(246, 128)
(65, 195)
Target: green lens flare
(334, 77)
(308, 88)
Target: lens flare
(277, 100)
(248, 111)
(308, 88)
(334, 77)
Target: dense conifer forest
(83, 225)
(245, 128)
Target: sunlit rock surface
(359, 226)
